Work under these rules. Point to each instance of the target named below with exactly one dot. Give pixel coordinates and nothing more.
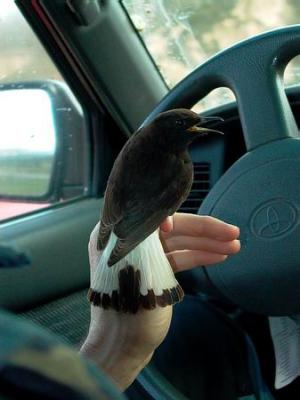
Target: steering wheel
(260, 192)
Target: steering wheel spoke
(253, 70)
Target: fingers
(186, 259)
(205, 226)
(204, 244)
(199, 240)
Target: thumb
(167, 225)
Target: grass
(27, 175)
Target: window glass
(181, 34)
(27, 145)
(43, 158)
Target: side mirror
(28, 144)
(41, 143)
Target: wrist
(120, 367)
(115, 346)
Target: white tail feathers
(142, 279)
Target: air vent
(199, 190)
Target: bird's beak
(200, 128)
(202, 131)
(207, 120)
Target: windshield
(181, 34)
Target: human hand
(192, 240)
(122, 344)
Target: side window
(43, 137)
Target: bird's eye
(179, 122)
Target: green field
(25, 176)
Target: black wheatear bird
(150, 179)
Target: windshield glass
(181, 34)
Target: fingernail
(238, 244)
(234, 226)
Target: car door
(45, 204)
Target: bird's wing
(145, 215)
(111, 214)
(113, 200)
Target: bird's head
(179, 127)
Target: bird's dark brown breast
(184, 178)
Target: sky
(26, 122)
(7, 7)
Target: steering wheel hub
(260, 195)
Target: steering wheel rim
(263, 281)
